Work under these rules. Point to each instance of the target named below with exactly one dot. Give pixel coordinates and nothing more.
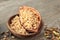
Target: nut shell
(30, 18)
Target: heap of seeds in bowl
(30, 18)
(27, 22)
(16, 26)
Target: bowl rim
(8, 25)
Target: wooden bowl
(14, 33)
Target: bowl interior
(9, 22)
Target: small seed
(56, 33)
(12, 37)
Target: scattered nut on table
(52, 33)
